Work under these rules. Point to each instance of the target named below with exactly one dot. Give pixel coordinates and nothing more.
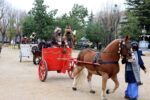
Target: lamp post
(143, 32)
(115, 15)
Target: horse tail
(79, 76)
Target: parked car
(83, 43)
(143, 44)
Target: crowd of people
(58, 38)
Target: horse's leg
(76, 74)
(89, 78)
(34, 57)
(115, 80)
(104, 82)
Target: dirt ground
(19, 81)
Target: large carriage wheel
(42, 70)
(71, 68)
(20, 57)
(0, 50)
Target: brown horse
(103, 63)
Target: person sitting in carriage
(68, 37)
(32, 37)
(57, 37)
(24, 40)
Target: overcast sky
(64, 6)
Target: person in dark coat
(69, 37)
(33, 37)
(132, 73)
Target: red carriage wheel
(71, 68)
(42, 70)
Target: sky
(64, 6)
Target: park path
(19, 81)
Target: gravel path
(19, 81)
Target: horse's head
(125, 47)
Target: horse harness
(98, 61)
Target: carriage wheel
(20, 57)
(42, 70)
(71, 68)
(0, 50)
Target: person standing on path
(132, 73)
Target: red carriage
(55, 59)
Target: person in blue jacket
(132, 72)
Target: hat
(135, 45)
(57, 30)
(68, 30)
(33, 33)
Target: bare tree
(2, 6)
(4, 20)
(18, 25)
(11, 24)
(110, 18)
(19, 17)
(10, 20)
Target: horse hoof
(108, 91)
(92, 91)
(58, 71)
(34, 63)
(104, 98)
(74, 88)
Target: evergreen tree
(141, 10)
(41, 19)
(94, 31)
(131, 28)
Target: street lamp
(116, 18)
(144, 32)
(143, 44)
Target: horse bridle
(122, 45)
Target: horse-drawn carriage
(55, 59)
(105, 63)
(26, 50)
